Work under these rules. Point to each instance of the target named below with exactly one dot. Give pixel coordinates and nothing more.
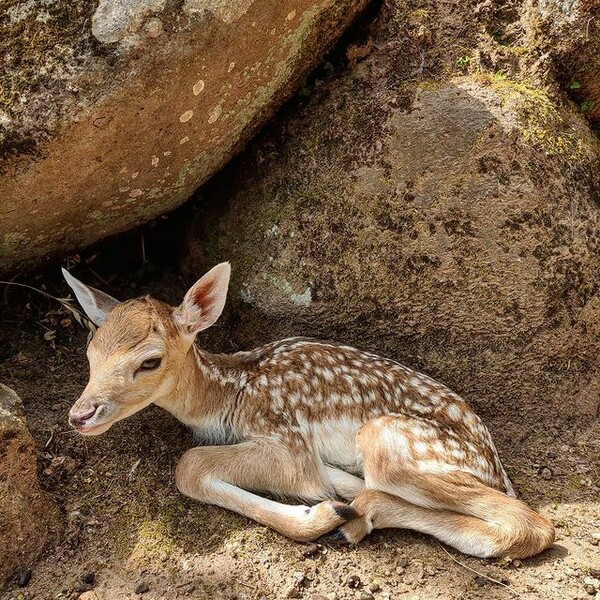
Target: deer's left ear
(205, 300)
(96, 304)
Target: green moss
(35, 41)
(543, 123)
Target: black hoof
(335, 536)
(345, 511)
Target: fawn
(306, 419)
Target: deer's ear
(204, 301)
(95, 304)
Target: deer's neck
(205, 394)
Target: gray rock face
(121, 114)
(116, 21)
(28, 518)
(450, 225)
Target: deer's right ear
(95, 304)
(205, 300)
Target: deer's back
(321, 393)
(304, 381)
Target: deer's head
(135, 353)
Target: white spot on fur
(454, 412)
(421, 447)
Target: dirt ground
(126, 527)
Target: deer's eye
(150, 364)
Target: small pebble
(24, 577)
(546, 473)
(366, 596)
(403, 562)
(142, 587)
(311, 550)
(374, 587)
(590, 589)
(353, 581)
(89, 578)
(300, 577)
(594, 572)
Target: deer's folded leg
(415, 484)
(222, 475)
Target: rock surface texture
(28, 518)
(422, 207)
(114, 113)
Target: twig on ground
(464, 566)
(133, 470)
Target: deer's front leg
(222, 475)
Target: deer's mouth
(92, 422)
(91, 429)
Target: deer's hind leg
(438, 497)
(222, 475)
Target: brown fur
(312, 420)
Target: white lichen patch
(560, 11)
(303, 299)
(153, 27)
(300, 299)
(246, 294)
(19, 12)
(215, 113)
(186, 116)
(198, 87)
(119, 20)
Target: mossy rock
(28, 518)
(112, 114)
(457, 232)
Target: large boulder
(28, 518)
(451, 223)
(114, 113)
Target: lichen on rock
(120, 20)
(121, 97)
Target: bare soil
(126, 527)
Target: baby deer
(307, 419)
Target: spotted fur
(307, 419)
